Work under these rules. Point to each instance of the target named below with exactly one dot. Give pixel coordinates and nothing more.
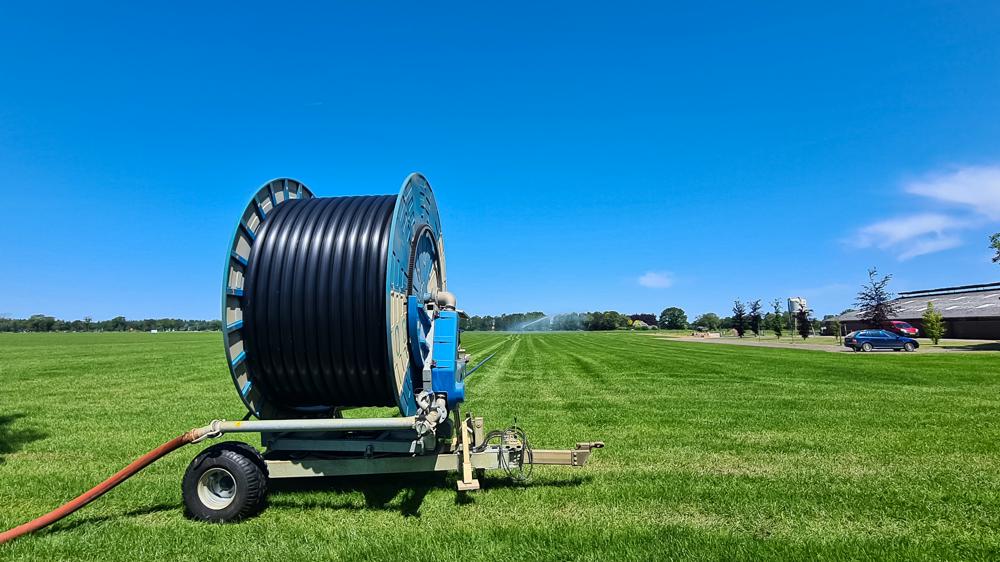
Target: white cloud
(974, 187)
(929, 246)
(656, 279)
(973, 192)
(889, 233)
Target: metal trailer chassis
(228, 482)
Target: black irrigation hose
(314, 303)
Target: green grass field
(713, 452)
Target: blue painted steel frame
(416, 213)
(447, 370)
(255, 402)
(418, 324)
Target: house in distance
(969, 311)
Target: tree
(646, 318)
(804, 322)
(41, 323)
(708, 321)
(673, 318)
(995, 245)
(933, 323)
(875, 301)
(570, 321)
(45, 323)
(117, 324)
(755, 317)
(608, 320)
(778, 320)
(739, 318)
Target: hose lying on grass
(102, 488)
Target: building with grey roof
(969, 311)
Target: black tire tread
(246, 463)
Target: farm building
(969, 311)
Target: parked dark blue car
(868, 340)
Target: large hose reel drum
(316, 293)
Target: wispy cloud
(976, 188)
(911, 236)
(929, 246)
(656, 279)
(972, 193)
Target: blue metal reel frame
(415, 241)
(267, 198)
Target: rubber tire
(866, 347)
(909, 347)
(249, 472)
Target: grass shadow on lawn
(83, 521)
(380, 491)
(11, 440)
(986, 346)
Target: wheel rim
(866, 347)
(217, 488)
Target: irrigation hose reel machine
(333, 303)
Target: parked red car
(901, 328)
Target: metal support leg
(467, 483)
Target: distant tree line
(539, 321)
(746, 317)
(516, 322)
(750, 317)
(607, 320)
(43, 323)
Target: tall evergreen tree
(778, 320)
(755, 317)
(803, 322)
(739, 318)
(875, 301)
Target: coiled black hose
(315, 303)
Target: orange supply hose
(99, 490)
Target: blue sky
(585, 156)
